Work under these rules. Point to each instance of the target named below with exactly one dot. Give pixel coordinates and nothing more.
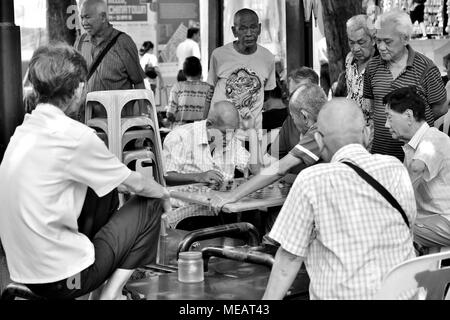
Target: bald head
(341, 122)
(244, 13)
(224, 115)
(99, 6)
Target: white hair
(359, 22)
(400, 19)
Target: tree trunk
(335, 16)
(60, 20)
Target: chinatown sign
(127, 10)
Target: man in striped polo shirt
(397, 66)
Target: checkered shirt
(349, 235)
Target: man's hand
(220, 199)
(211, 176)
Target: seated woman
(190, 100)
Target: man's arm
(175, 178)
(267, 176)
(283, 274)
(136, 183)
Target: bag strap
(102, 54)
(382, 190)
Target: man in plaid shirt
(348, 234)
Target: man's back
(187, 48)
(350, 235)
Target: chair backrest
(423, 276)
(443, 121)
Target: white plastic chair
(419, 275)
(445, 121)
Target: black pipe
(230, 230)
(237, 254)
(11, 104)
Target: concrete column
(11, 105)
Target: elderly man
(362, 46)
(242, 70)
(120, 68)
(204, 151)
(289, 133)
(304, 107)
(427, 158)
(398, 65)
(48, 165)
(347, 234)
(188, 48)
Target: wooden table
(270, 196)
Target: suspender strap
(102, 54)
(377, 186)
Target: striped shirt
(378, 82)
(120, 68)
(349, 235)
(190, 100)
(432, 147)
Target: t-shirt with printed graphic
(242, 79)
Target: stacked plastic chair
(135, 140)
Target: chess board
(270, 196)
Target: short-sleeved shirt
(307, 148)
(50, 162)
(432, 147)
(189, 100)
(148, 59)
(349, 235)
(378, 82)
(120, 69)
(242, 79)
(186, 150)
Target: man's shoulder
(124, 39)
(422, 62)
(374, 63)
(266, 53)
(222, 49)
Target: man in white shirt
(427, 158)
(242, 70)
(188, 48)
(48, 166)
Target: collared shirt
(120, 69)
(307, 148)
(186, 150)
(348, 233)
(432, 147)
(48, 165)
(378, 82)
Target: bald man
(120, 68)
(242, 70)
(348, 234)
(204, 152)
